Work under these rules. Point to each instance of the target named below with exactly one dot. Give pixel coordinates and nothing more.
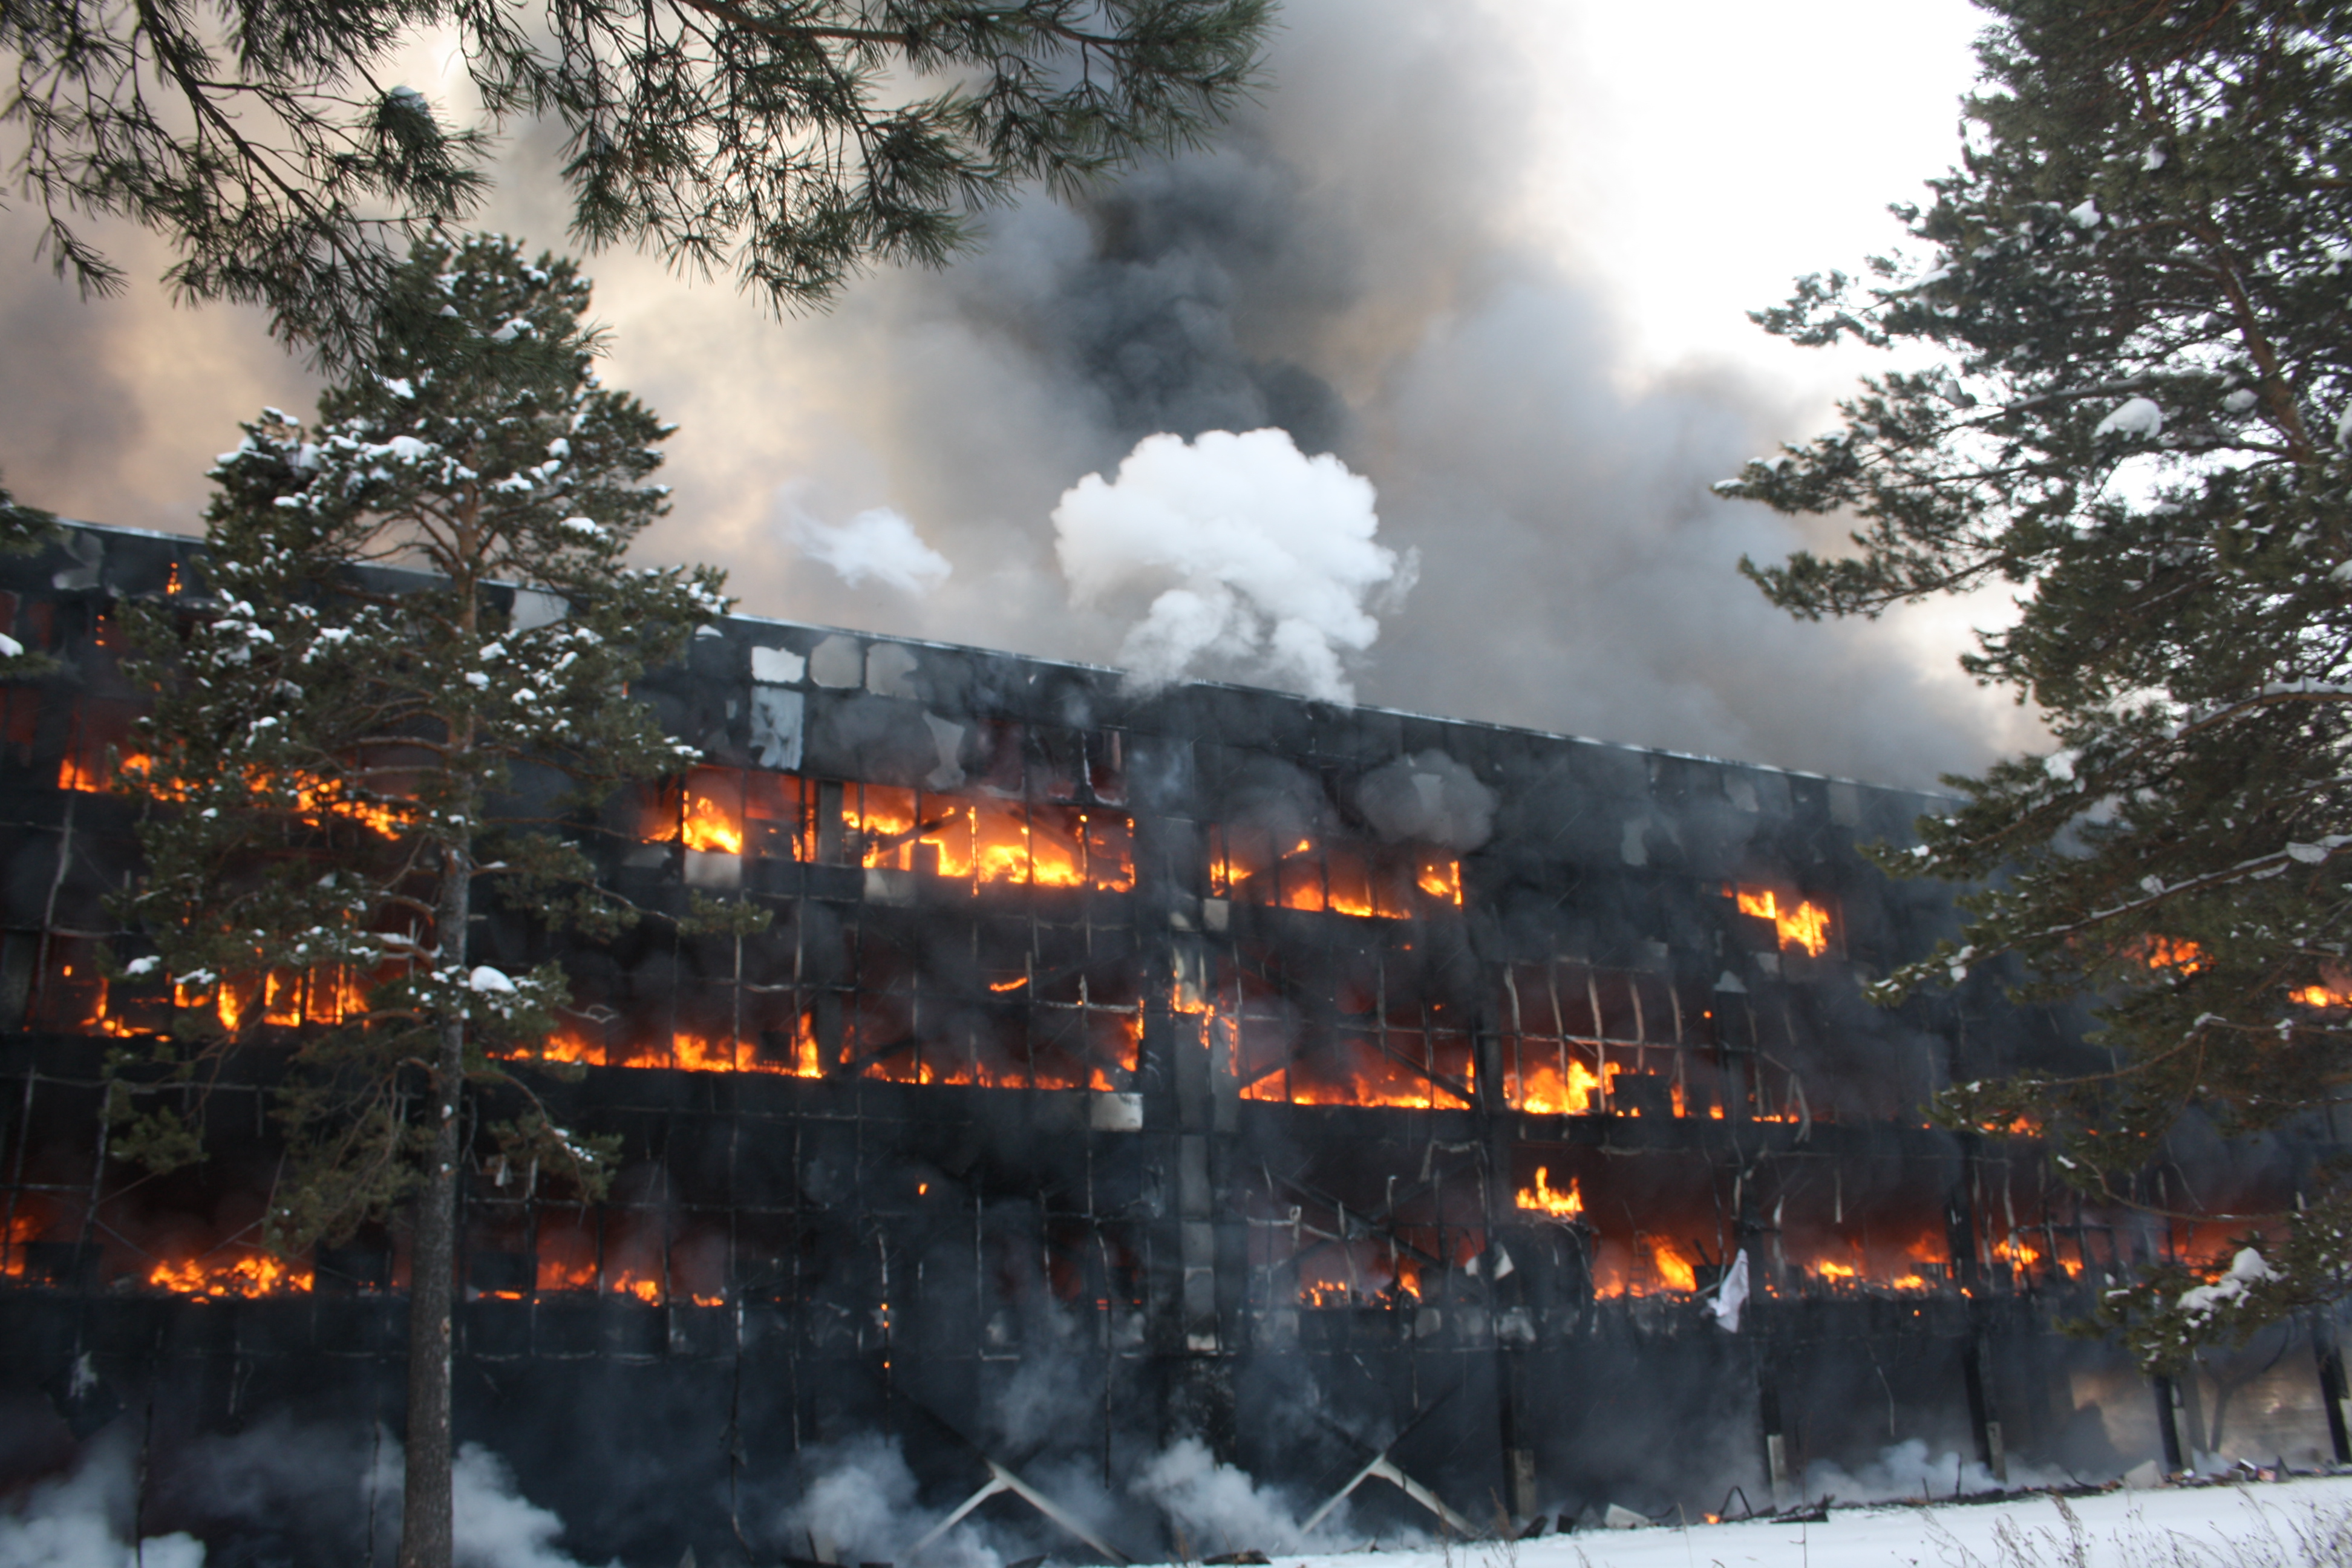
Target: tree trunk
(426, 1527)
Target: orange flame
(252, 1274)
(687, 1053)
(315, 796)
(992, 842)
(1544, 1090)
(1358, 1278)
(1543, 1200)
(558, 1272)
(72, 774)
(2176, 954)
(709, 829)
(1880, 1264)
(1807, 926)
(643, 1287)
(327, 995)
(1343, 877)
(23, 1227)
(1675, 1271)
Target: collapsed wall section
(1324, 1083)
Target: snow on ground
(2304, 1524)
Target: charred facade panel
(1320, 1083)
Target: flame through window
(1800, 924)
(976, 838)
(1251, 865)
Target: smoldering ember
(1470, 1121)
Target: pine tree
(418, 634)
(2133, 414)
(22, 528)
(791, 139)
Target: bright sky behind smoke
(1495, 259)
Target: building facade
(1493, 1119)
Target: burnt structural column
(2332, 1393)
(1513, 1315)
(2168, 1422)
(1768, 1411)
(1984, 1415)
(1197, 1325)
(1961, 1209)
(1736, 1038)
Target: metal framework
(1372, 1097)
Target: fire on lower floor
(1473, 1120)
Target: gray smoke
(1222, 1508)
(1348, 264)
(1906, 1471)
(1429, 797)
(325, 1482)
(80, 1520)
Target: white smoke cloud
(1404, 255)
(877, 546)
(263, 1477)
(1272, 552)
(860, 1506)
(494, 1526)
(69, 1523)
(1907, 1469)
(1221, 1507)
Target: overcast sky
(1495, 259)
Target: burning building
(1493, 1116)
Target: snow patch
(2247, 1269)
(2132, 416)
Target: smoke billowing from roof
(1353, 264)
(877, 546)
(1271, 552)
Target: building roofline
(1113, 672)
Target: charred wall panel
(1317, 1082)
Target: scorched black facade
(1370, 1097)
